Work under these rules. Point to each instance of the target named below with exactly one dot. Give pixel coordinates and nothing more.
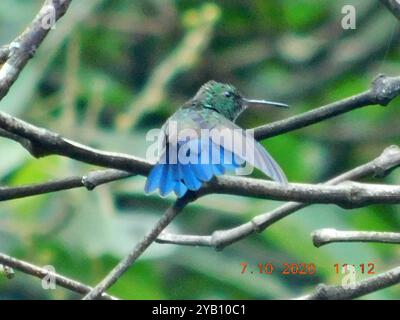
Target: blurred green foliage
(111, 70)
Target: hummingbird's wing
(238, 141)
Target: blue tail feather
(203, 172)
(167, 182)
(179, 178)
(177, 172)
(180, 189)
(218, 169)
(154, 178)
(189, 178)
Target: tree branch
(27, 144)
(324, 236)
(393, 6)
(348, 195)
(379, 167)
(361, 288)
(22, 49)
(44, 142)
(383, 90)
(40, 273)
(7, 271)
(4, 53)
(90, 181)
(137, 251)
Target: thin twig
(361, 288)
(136, 252)
(8, 272)
(44, 142)
(89, 181)
(393, 6)
(348, 195)
(4, 54)
(23, 48)
(324, 236)
(41, 273)
(383, 90)
(379, 167)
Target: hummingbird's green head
(226, 99)
(222, 98)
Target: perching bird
(189, 160)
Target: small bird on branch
(201, 140)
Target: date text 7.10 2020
(283, 268)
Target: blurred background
(112, 70)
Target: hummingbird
(215, 107)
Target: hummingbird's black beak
(265, 102)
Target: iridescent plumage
(214, 108)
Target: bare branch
(324, 236)
(44, 142)
(99, 177)
(90, 181)
(40, 273)
(348, 195)
(34, 150)
(393, 6)
(361, 288)
(137, 251)
(380, 166)
(4, 53)
(22, 49)
(384, 89)
(7, 271)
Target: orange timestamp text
(284, 268)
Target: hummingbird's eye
(227, 94)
